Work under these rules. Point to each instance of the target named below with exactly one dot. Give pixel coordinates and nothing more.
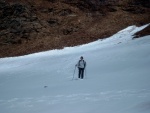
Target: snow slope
(116, 79)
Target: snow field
(116, 79)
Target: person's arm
(84, 64)
(77, 64)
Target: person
(81, 66)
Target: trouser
(81, 73)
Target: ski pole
(74, 72)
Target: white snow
(116, 79)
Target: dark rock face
(53, 1)
(144, 32)
(13, 10)
(134, 10)
(15, 22)
(65, 12)
(10, 15)
(145, 3)
(92, 5)
(53, 22)
(97, 7)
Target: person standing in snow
(81, 66)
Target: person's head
(81, 57)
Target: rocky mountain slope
(29, 26)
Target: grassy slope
(69, 25)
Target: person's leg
(82, 73)
(79, 75)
